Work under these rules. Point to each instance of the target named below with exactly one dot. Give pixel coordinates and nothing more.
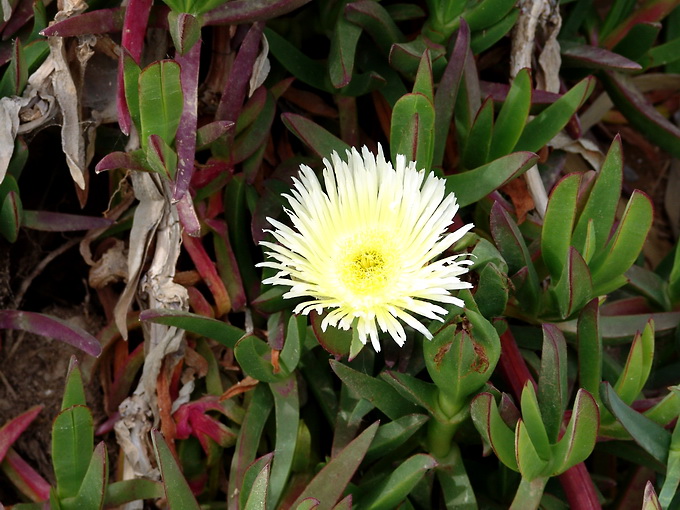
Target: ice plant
(365, 248)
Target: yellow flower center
(367, 265)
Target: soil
(33, 368)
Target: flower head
(365, 248)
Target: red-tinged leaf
(227, 265)
(187, 216)
(60, 222)
(44, 325)
(185, 137)
(128, 160)
(649, 12)
(343, 47)
(134, 29)
(236, 86)
(192, 419)
(212, 131)
(206, 268)
(100, 21)
(22, 13)
(447, 91)
(499, 92)
(594, 57)
(185, 30)
(249, 11)
(641, 113)
(650, 501)
(13, 429)
(314, 136)
(26, 479)
(329, 484)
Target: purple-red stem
(576, 481)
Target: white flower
(364, 247)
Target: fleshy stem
(443, 425)
(529, 494)
(440, 437)
(576, 481)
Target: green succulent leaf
(603, 199)
(623, 248)
(512, 116)
(220, 331)
(329, 483)
(550, 121)
(579, 439)
(493, 429)
(412, 129)
(558, 224)
(473, 185)
(638, 365)
(177, 490)
(552, 382)
(160, 101)
(533, 425)
(72, 444)
(376, 391)
(653, 438)
(93, 488)
(398, 484)
(530, 463)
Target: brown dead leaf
(519, 194)
(246, 384)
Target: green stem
(440, 437)
(529, 494)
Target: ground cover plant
(339, 254)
